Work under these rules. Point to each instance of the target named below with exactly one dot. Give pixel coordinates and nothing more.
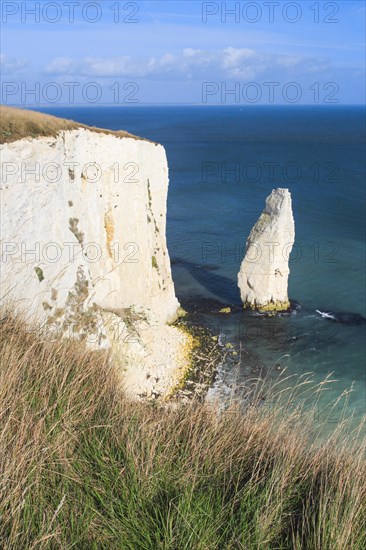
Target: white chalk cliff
(264, 272)
(83, 238)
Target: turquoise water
(223, 163)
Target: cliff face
(263, 276)
(87, 227)
(83, 220)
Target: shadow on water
(223, 287)
(227, 293)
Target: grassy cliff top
(84, 467)
(20, 123)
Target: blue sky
(183, 52)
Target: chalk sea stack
(263, 275)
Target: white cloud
(11, 64)
(191, 64)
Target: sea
(223, 163)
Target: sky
(109, 52)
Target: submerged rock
(263, 275)
(344, 318)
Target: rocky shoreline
(207, 354)
(219, 369)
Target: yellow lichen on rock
(184, 362)
(269, 307)
(109, 229)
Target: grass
(22, 123)
(82, 467)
